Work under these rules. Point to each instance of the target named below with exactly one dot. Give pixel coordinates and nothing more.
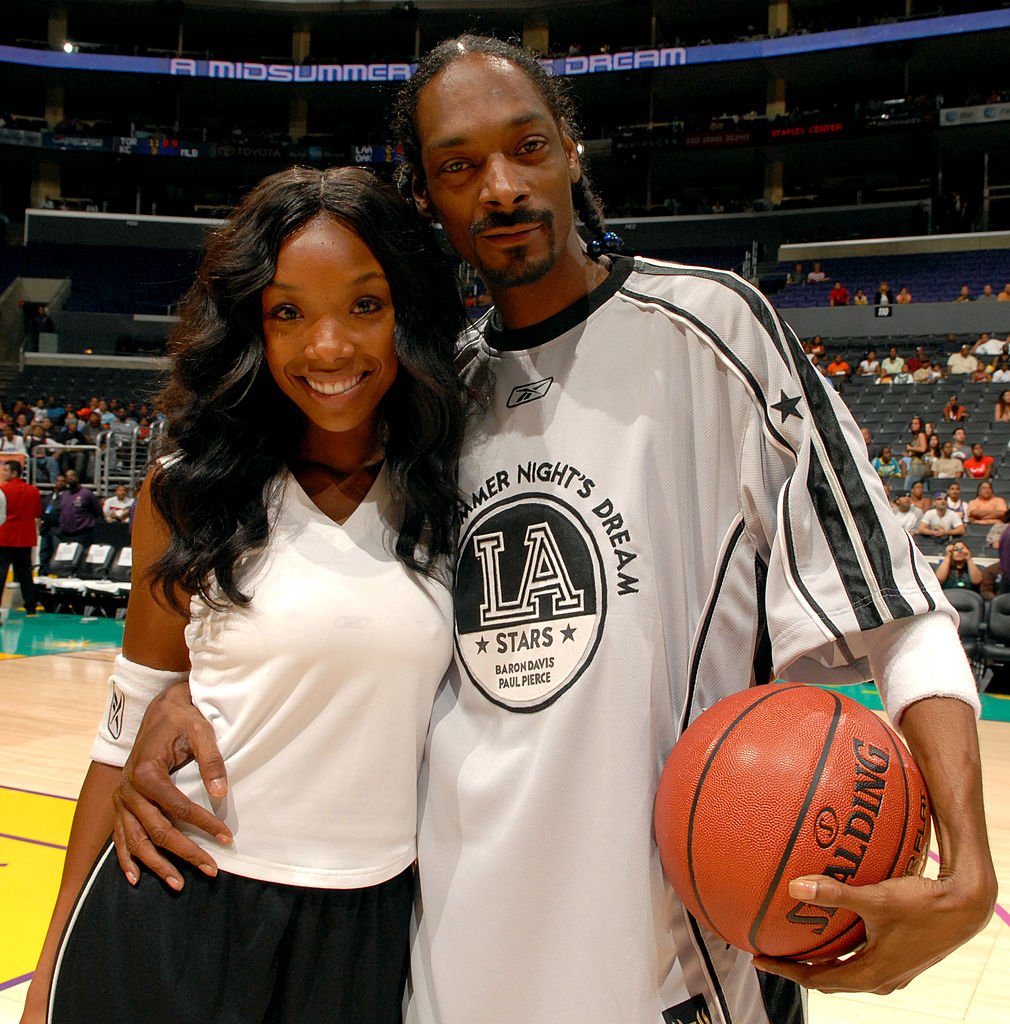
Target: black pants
(232, 950)
(21, 560)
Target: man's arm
(912, 923)
(146, 800)
(974, 572)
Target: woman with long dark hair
(915, 450)
(289, 553)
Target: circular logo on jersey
(529, 601)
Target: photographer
(958, 570)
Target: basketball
(780, 781)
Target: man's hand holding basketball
(912, 923)
(147, 803)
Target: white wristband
(131, 688)
(918, 657)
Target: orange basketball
(780, 781)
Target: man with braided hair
(596, 616)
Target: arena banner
(986, 113)
(574, 65)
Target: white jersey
(666, 504)
(320, 691)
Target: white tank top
(319, 692)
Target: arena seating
(929, 277)
(77, 384)
(110, 279)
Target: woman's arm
(943, 569)
(155, 637)
(974, 572)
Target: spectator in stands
(939, 522)
(883, 296)
(886, 465)
(988, 295)
(116, 508)
(936, 374)
(11, 442)
(904, 297)
(860, 299)
(933, 446)
(107, 415)
(44, 465)
(870, 366)
(54, 411)
(987, 345)
(817, 346)
(956, 503)
(123, 425)
(946, 467)
(18, 533)
(962, 450)
(1004, 296)
(839, 369)
(39, 411)
(915, 452)
(892, 365)
(964, 295)
(918, 496)
(839, 295)
(1001, 370)
(962, 362)
(986, 507)
(816, 275)
(993, 582)
(917, 361)
(92, 427)
(1001, 411)
(957, 570)
(42, 323)
(996, 531)
(979, 466)
(80, 509)
(907, 514)
(796, 275)
(69, 434)
(49, 527)
(867, 437)
(954, 411)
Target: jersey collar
(504, 340)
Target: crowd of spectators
(987, 360)
(839, 293)
(57, 444)
(945, 494)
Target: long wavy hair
(231, 431)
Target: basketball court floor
(53, 672)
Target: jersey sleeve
(839, 563)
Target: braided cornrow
(553, 91)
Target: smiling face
(498, 171)
(328, 333)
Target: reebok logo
(526, 393)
